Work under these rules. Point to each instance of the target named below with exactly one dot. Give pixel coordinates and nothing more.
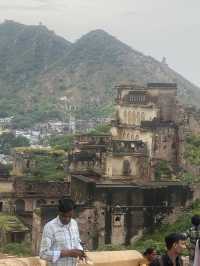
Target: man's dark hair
(173, 238)
(66, 205)
(195, 220)
(148, 251)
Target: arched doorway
(126, 167)
(133, 118)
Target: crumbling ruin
(122, 182)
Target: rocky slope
(38, 68)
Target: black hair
(195, 220)
(66, 205)
(148, 251)
(173, 238)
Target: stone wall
(22, 262)
(165, 146)
(103, 258)
(126, 166)
(164, 94)
(45, 189)
(130, 116)
(126, 210)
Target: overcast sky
(169, 28)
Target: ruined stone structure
(122, 182)
(115, 178)
(144, 132)
(32, 194)
(28, 188)
(147, 114)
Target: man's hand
(76, 253)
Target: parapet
(103, 258)
(170, 86)
(34, 261)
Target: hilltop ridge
(38, 67)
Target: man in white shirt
(60, 244)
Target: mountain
(38, 68)
(28, 50)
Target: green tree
(63, 142)
(101, 129)
(8, 141)
(192, 151)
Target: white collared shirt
(57, 237)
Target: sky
(159, 28)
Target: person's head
(150, 254)
(65, 207)
(175, 243)
(195, 220)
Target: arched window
(20, 205)
(133, 117)
(138, 117)
(125, 116)
(28, 164)
(117, 220)
(126, 167)
(129, 118)
(142, 116)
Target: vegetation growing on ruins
(9, 223)
(102, 129)
(192, 156)
(45, 164)
(155, 238)
(192, 152)
(63, 142)
(47, 168)
(40, 151)
(190, 178)
(19, 249)
(162, 170)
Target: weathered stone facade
(113, 177)
(148, 114)
(32, 194)
(123, 209)
(115, 181)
